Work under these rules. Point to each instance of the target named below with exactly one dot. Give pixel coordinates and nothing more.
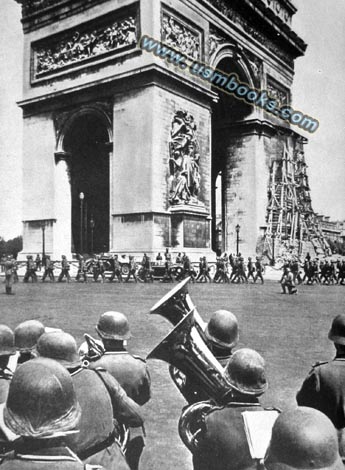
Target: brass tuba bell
(185, 348)
(176, 304)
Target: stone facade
(99, 115)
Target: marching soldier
(30, 270)
(259, 270)
(132, 269)
(38, 262)
(64, 269)
(116, 269)
(251, 269)
(9, 266)
(221, 335)
(82, 269)
(49, 269)
(98, 269)
(26, 335)
(43, 410)
(101, 399)
(324, 388)
(7, 349)
(303, 438)
(130, 371)
(221, 442)
(204, 271)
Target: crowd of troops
(69, 408)
(228, 269)
(316, 271)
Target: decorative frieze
(181, 36)
(278, 91)
(83, 44)
(239, 20)
(32, 6)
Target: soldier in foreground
(101, 399)
(221, 335)
(7, 349)
(303, 438)
(324, 388)
(130, 371)
(220, 441)
(26, 335)
(42, 409)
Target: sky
(318, 91)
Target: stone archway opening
(87, 143)
(226, 114)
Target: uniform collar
(61, 454)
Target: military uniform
(98, 270)
(82, 270)
(54, 458)
(130, 371)
(49, 270)
(116, 268)
(9, 266)
(64, 270)
(5, 378)
(30, 270)
(324, 390)
(222, 442)
(101, 399)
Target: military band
(83, 409)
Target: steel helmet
(26, 335)
(303, 438)
(113, 325)
(60, 346)
(7, 347)
(337, 331)
(245, 371)
(41, 400)
(222, 329)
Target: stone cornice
(259, 21)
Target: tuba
(176, 304)
(185, 349)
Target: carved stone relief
(177, 34)
(184, 160)
(81, 44)
(278, 92)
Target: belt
(99, 446)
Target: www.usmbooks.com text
(230, 84)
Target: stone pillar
(245, 189)
(63, 203)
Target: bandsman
(324, 387)
(221, 442)
(303, 438)
(101, 399)
(26, 335)
(42, 409)
(7, 350)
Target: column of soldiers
(311, 272)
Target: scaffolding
(291, 221)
